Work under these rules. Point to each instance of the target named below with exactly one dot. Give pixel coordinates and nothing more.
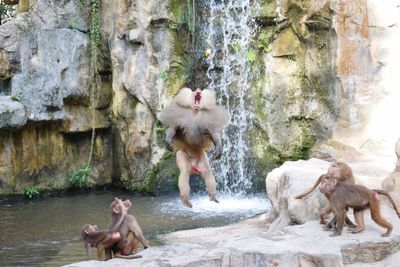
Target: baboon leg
(100, 252)
(359, 217)
(183, 181)
(322, 213)
(349, 223)
(209, 179)
(375, 209)
(340, 217)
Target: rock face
(45, 116)
(322, 73)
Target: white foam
(202, 207)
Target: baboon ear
(334, 181)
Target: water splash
(230, 31)
(202, 207)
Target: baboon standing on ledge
(342, 172)
(344, 195)
(194, 122)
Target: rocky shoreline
(289, 235)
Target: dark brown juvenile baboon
(194, 122)
(344, 195)
(102, 240)
(131, 233)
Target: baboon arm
(216, 138)
(135, 229)
(88, 251)
(168, 138)
(117, 225)
(311, 189)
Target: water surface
(46, 232)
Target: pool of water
(46, 232)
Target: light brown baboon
(344, 195)
(131, 233)
(194, 122)
(342, 172)
(102, 240)
(339, 170)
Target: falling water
(229, 34)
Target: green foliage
(81, 3)
(31, 191)
(185, 14)
(81, 178)
(72, 24)
(251, 55)
(3, 9)
(236, 48)
(164, 75)
(16, 97)
(262, 43)
(6, 12)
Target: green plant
(262, 43)
(72, 24)
(31, 191)
(236, 48)
(81, 178)
(16, 97)
(164, 75)
(251, 55)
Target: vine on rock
(94, 52)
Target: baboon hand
(218, 152)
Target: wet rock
(286, 44)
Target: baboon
(342, 172)
(101, 240)
(194, 122)
(130, 231)
(343, 195)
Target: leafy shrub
(31, 191)
(81, 178)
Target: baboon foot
(355, 230)
(350, 224)
(335, 234)
(186, 202)
(327, 227)
(386, 234)
(214, 199)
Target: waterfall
(229, 34)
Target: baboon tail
(311, 189)
(132, 256)
(382, 192)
